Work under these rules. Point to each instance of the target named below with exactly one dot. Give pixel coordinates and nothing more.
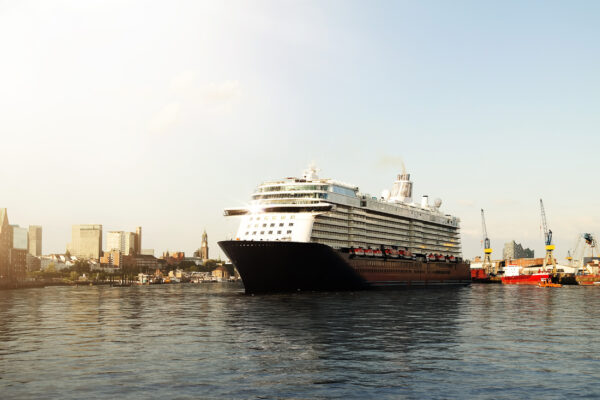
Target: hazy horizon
(161, 114)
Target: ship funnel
(425, 201)
(402, 190)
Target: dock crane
(487, 251)
(548, 240)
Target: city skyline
(180, 111)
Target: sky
(163, 113)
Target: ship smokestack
(402, 190)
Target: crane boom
(487, 251)
(549, 259)
(547, 232)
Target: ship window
(289, 231)
(272, 225)
(292, 216)
(291, 224)
(247, 233)
(279, 232)
(264, 225)
(254, 233)
(283, 217)
(262, 232)
(281, 224)
(270, 232)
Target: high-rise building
(513, 250)
(20, 238)
(86, 241)
(138, 240)
(6, 238)
(125, 242)
(204, 246)
(35, 240)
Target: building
(147, 252)
(33, 263)
(6, 238)
(513, 250)
(35, 240)
(138, 241)
(128, 243)
(145, 263)
(115, 259)
(86, 241)
(125, 242)
(204, 246)
(20, 238)
(18, 263)
(220, 273)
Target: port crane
(487, 251)
(578, 254)
(549, 259)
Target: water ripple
(212, 341)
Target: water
(212, 341)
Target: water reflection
(214, 341)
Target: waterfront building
(513, 250)
(86, 241)
(18, 263)
(33, 263)
(6, 238)
(220, 273)
(144, 262)
(204, 246)
(35, 240)
(20, 237)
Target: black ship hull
(297, 266)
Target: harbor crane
(487, 251)
(578, 254)
(549, 259)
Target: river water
(212, 341)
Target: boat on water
(548, 283)
(513, 275)
(310, 233)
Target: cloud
(165, 119)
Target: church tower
(204, 246)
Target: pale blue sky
(161, 114)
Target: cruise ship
(310, 233)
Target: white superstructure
(311, 209)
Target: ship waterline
(293, 266)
